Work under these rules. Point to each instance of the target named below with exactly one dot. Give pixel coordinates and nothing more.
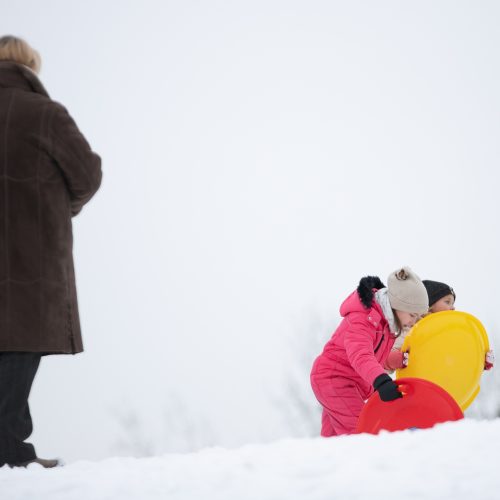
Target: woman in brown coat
(47, 173)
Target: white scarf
(382, 298)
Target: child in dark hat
(441, 296)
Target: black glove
(386, 387)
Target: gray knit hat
(407, 292)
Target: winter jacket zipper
(379, 344)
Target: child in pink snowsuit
(352, 364)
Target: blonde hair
(17, 50)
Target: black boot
(44, 462)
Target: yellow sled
(448, 348)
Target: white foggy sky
(258, 158)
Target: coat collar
(14, 75)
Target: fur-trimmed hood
(366, 288)
(363, 298)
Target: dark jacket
(47, 173)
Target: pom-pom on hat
(437, 290)
(407, 292)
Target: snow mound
(456, 460)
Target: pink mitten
(396, 360)
(489, 360)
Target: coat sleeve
(80, 166)
(358, 341)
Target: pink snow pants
(342, 404)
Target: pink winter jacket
(358, 348)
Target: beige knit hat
(407, 292)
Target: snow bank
(452, 461)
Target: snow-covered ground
(452, 461)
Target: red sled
(423, 405)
